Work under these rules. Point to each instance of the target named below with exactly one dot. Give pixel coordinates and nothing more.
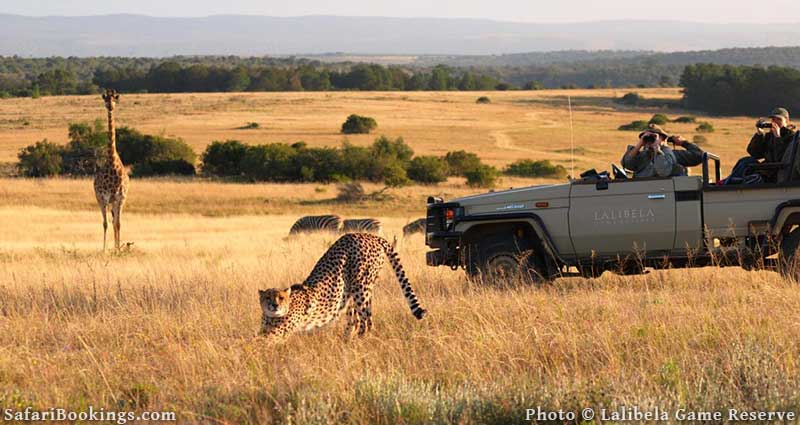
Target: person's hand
(678, 140)
(776, 129)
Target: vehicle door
(623, 216)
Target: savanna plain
(170, 322)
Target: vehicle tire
(789, 263)
(505, 261)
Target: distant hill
(134, 35)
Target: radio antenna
(571, 139)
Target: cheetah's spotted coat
(342, 279)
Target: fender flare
(464, 224)
(783, 212)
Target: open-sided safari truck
(610, 222)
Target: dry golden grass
(171, 324)
(529, 124)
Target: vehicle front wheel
(505, 262)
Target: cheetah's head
(275, 302)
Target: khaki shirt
(648, 163)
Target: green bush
(249, 126)
(86, 145)
(395, 176)
(177, 167)
(458, 162)
(271, 162)
(483, 99)
(357, 124)
(427, 169)
(137, 148)
(631, 99)
(529, 168)
(705, 127)
(483, 176)
(686, 119)
(634, 126)
(316, 164)
(41, 160)
(659, 119)
(224, 158)
(533, 85)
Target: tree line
(740, 90)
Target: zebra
(362, 225)
(316, 223)
(416, 226)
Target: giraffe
(111, 178)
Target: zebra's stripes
(416, 226)
(316, 223)
(362, 225)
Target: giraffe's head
(275, 302)
(111, 97)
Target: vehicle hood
(515, 200)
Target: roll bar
(706, 157)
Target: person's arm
(630, 159)
(758, 145)
(664, 161)
(690, 155)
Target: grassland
(171, 324)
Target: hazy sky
(718, 11)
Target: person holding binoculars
(769, 143)
(650, 157)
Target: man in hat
(650, 157)
(769, 143)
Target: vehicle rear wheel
(789, 262)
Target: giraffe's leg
(116, 211)
(104, 212)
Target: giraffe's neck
(112, 136)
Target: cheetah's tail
(408, 292)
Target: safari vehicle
(610, 222)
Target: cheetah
(341, 280)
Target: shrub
(631, 99)
(686, 119)
(503, 87)
(316, 164)
(137, 148)
(542, 168)
(458, 162)
(699, 139)
(86, 145)
(659, 119)
(705, 127)
(249, 126)
(634, 126)
(40, 160)
(395, 176)
(357, 124)
(271, 162)
(533, 85)
(350, 192)
(483, 176)
(224, 158)
(427, 169)
(161, 168)
(483, 99)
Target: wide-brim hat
(654, 128)
(779, 113)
